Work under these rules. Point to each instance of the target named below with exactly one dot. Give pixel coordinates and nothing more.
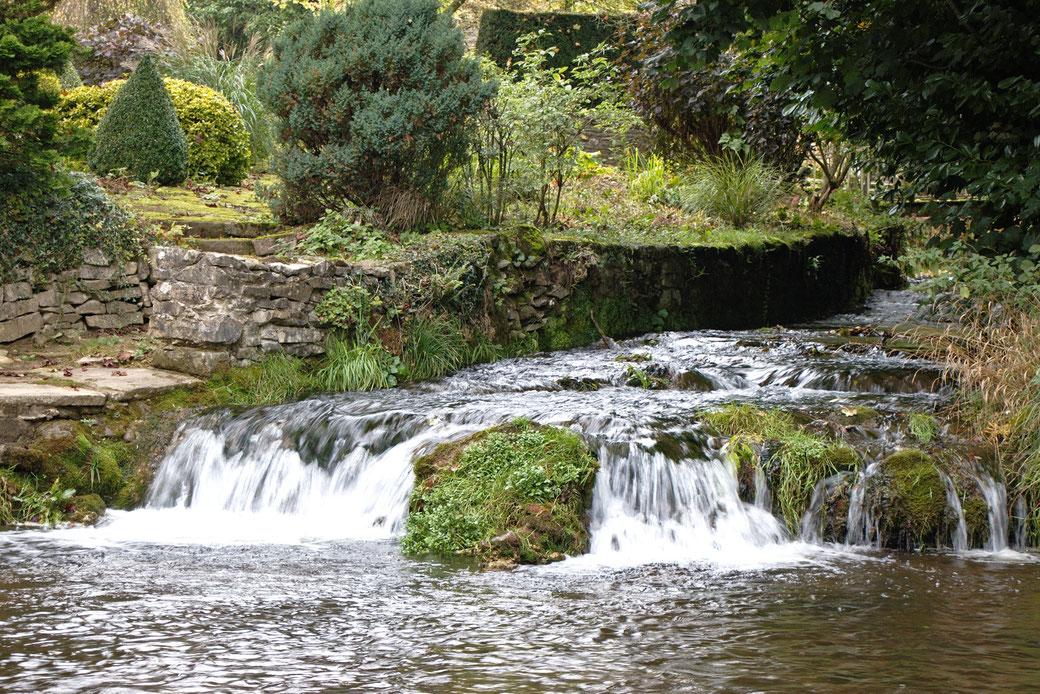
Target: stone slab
(135, 384)
(39, 395)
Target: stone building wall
(100, 294)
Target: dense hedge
(140, 133)
(572, 34)
(48, 233)
(218, 143)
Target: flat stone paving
(89, 386)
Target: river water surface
(266, 558)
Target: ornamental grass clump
(372, 105)
(732, 189)
(140, 133)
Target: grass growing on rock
(508, 495)
(793, 458)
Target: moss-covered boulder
(85, 508)
(140, 132)
(64, 458)
(908, 500)
(509, 495)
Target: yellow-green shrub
(218, 144)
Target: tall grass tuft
(648, 177)
(433, 347)
(278, 378)
(349, 366)
(735, 190)
(234, 75)
(994, 358)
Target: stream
(266, 557)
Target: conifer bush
(140, 132)
(372, 106)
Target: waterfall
(1021, 513)
(763, 497)
(960, 534)
(812, 521)
(649, 507)
(862, 529)
(995, 495)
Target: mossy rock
(908, 499)
(516, 494)
(85, 508)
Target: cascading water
(1021, 515)
(340, 466)
(995, 495)
(862, 528)
(648, 506)
(811, 530)
(959, 540)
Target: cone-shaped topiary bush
(372, 104)
(140, 132)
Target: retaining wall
(100, 294)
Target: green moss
(85, 508)
(909, 501)
(976, 519)
(513, 494)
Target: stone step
(262, 246)
(218, 230)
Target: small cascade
(812, 521)
(960, 533)
(1021, 513)
(650, 507)
(350, 478)
(763, 496)
(995, 495)
(862, 528)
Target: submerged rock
(517, 494)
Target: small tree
(140, 132)
(372, 104)
(29, 44)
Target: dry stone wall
(100, 294)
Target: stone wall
(100, 294)
(215, 310)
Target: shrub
(117, 45)
(48, 233)
(69, 78)
(372, 104)
(541, 116)
(708, 112)
(218, 145)
(30, 45)
(733, 190)
(140, 132)
(238, 22)
(571, 35)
